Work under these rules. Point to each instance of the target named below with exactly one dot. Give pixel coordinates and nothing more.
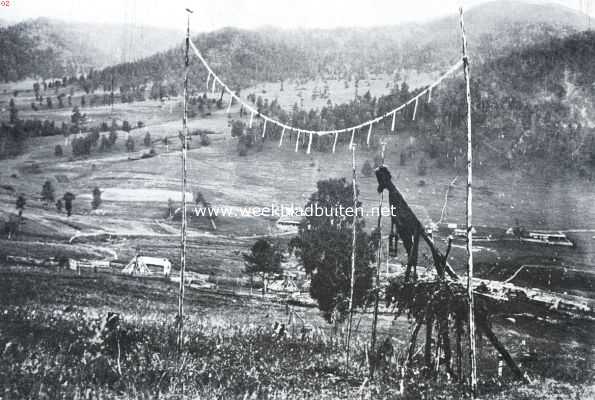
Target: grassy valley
(534, 147)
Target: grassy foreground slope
(55, 345)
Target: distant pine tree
(68, 199)
(130, 144)
(367, 169)
(264, 258)
(47, 193)
(96, 202)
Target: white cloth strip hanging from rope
(251, 119)
(208, 79)
(264, 128)
(282, 134)
(415, 108)
(214, 86)
(392, 127)
(369, 134)
(216, 80)
(352, 137)
(297, 141)
(335, 142)
(229, 105)
(309, 143)
(430, 95)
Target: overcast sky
(214, 14)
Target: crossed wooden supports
(433, 303)
(404, 224)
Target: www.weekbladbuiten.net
(292, 211)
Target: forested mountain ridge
(244, 57)
(537, 103)
(532, 109)
(30, 49)
(47, 48)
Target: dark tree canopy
(367, 169)
(68, 199)
(20, 203)
(324, 245)
(47, 192)
(264, 258)
(130, 144)
(96, 202)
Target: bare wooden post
(485, 327)
(377, 289)
(459, 333)
(412, 342)
(472, 351)
(428, 345)
(180, 339)
(387, 254)
(444, 338)
(112, 96)
(500, 365)
(353, 252)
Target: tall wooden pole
(180, 339)
(377, 289)
(472, 350)
(353, 252)
(112, 96)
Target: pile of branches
(442, 307)
(439, 305)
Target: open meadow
(315, 94)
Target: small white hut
(139, 265)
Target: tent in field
(137, 266)
(287, 285)
(140, 265)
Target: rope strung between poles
(352, 129)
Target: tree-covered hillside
(243, 57)
(537, 103)
(49, 49)
(532, 108)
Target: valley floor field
(136, 192)
(50, 336)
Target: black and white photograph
(286, 200)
